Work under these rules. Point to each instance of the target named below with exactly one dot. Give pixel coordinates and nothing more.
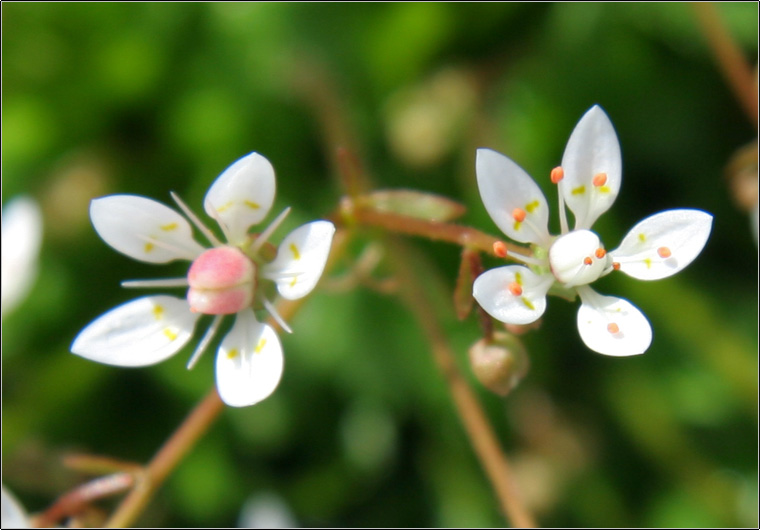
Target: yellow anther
(600, 179)
(600, 253)
(515, 288)
(613, 328)
(664, 252)
(500, 249)
(518, 214)
(557, 174)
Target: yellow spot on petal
(225, 206)
(517, 225)
(232, 353)
(294, 281)
(642, 237)
(169, 227)
(604, 189)
(260, 345)
(294, 249)
(252, 205)
(148, 247)
(170, 334)
(580, 190)
(648, 262)
(158, 312)
(518, 278)
(528, 303)
(532, 206)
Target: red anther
(615, 265)
(588, 261)
(557, 174)
(613, 328)
(600, 253)
(515, 288)
(600, 179)
(518, 214)
(500, 249)
(664, 252)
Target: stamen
(225, 230)
(600, 253)
(588, 261)
(168, 282)
(210, 332)
(275, 315)
(557, 174)
(664, 252)
(615, 266)
(526, 259)
(500, 249)
(613, 328)
(264, 236)
(600, 179)
(518, 214)
(195, 220)
(515, 288)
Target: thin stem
(167, 458)
(736, 70)
(477, 426)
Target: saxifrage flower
(589, 180)
(224, 279)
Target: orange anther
(515, 288)
(500, 249)
(557, 174)
(588, 261)
(664, 252)
(518, 214)
(600, 253)
(616, 265)
(600, 179)
(613, 328)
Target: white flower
(589, 181)
(13, 513)
(22, 236)
(223, 280)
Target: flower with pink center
(222, 280)
(588, 180)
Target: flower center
(222, 281)
(577, 258)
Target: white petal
(142, 332)
(13, 514)
(143, 229)
(504, 187)
(494, 292)
(249, 362)
(663, 244)
(612, 326)
(21, 240)
(301, 259)
(593, 148)
(242, 195)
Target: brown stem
(167, 458)
(477, 426)
(737, 72)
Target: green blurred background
(148, 98)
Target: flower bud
(499, 364)
(221, 282)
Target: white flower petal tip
(592, 168)
(13, 514)
(612, 326)
(301, 258)
(249, 362)
(512, 199)
(143, 229)
(142, 332)
(21, 240)
(512, 294)
(242, 195)
(663, 244)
